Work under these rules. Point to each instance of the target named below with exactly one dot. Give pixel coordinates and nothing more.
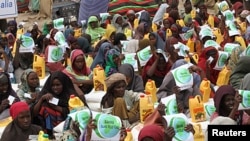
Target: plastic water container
(205, 89)
(89, 60)
(99, 77)
(39, 66)
(223, 77)
(146, 106)
(40, 135)
(195, 57)
(180, 22)
(75, 102)
(190, 44)
(150, 88)
(218, 35)
(210, 21)
(241, 41)
(129, 136)
(196, 107)
(168, 33)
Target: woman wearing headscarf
(208, 66)
(58, 86)
(145, 18)
(234, 57)
(120, 102)
(135, 82)
(169, 87)
(28, 89)
(156, 41)
(84, 45)
(79, 73)
(94, 29)
(226, 102)
(118, 23)
(156, 68)
(11, 40)
(117, 41)
(113, 61)
(12, 27)
(141, 31)
(99, 59)
(20, 127)
(6, 91)
(109, 34)
(241, 69)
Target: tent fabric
(92, 7)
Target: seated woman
(79, 73)
(99, 59)
(28, 90)
(6, 91)
(94, 29)
(118, 23)
(206, 65)
(156, 68)
(20, 128)
(135, 82)
(226, 102)
(21, 62)
(120, 102)
(58, 87)
(169, 87)
(113, 61)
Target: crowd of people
(101, 39)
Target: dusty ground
(29, 18)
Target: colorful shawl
(72, 72)
(111, 67)
(95, 33)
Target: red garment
(157, 72)
(17, 108)
(153, 131)
(75, 53)
(202, 64)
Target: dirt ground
(29, 18)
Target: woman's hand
(176, 90)
(169, 133)
(47, 97)
(91, 125)
(4, 104)
(123, 134)
(190, 128)
(161, 108)
(237, 99)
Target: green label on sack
(83, 118)
(171, 107)
(245, 98)
(27, 41)
(222, 59)
(56, 54)
(182, 75)
(179, 124)
(108, 126)
(248, 51)
(210, 109)
(144, 55)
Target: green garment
(95, 33)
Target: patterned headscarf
(111, 67)
(114, 78)
(24, 80)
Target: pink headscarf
(75, 53)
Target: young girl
(57, 88)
